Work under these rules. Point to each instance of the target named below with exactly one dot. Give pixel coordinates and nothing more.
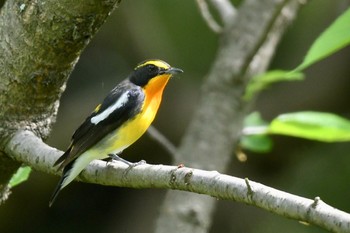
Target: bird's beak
(173, 70)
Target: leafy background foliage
(326, 127)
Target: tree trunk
(247, 45)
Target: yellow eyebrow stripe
(157, 63)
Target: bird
(121, 119)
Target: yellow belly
(133, 130)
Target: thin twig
(208, 18)
(156, 135)
(225, 9)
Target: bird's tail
(72, 169)
(62, 183)
(61, 160)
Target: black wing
(88, 133)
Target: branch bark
(247, 44)
(26, 147)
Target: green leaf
(262, 81)
(257, 143)
(334, 38)
(326, 127)
(20, 176)
(254, 119)
(255, 139)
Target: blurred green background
(174, 31)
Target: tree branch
(225, 9)
(27, 148)
(207, 16)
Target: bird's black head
(149, 69)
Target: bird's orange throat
(154, 90)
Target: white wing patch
(118, 104)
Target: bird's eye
(152, 68)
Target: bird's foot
(115, 157)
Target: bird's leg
(112, 157)
(109, 159)
(117, 158)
